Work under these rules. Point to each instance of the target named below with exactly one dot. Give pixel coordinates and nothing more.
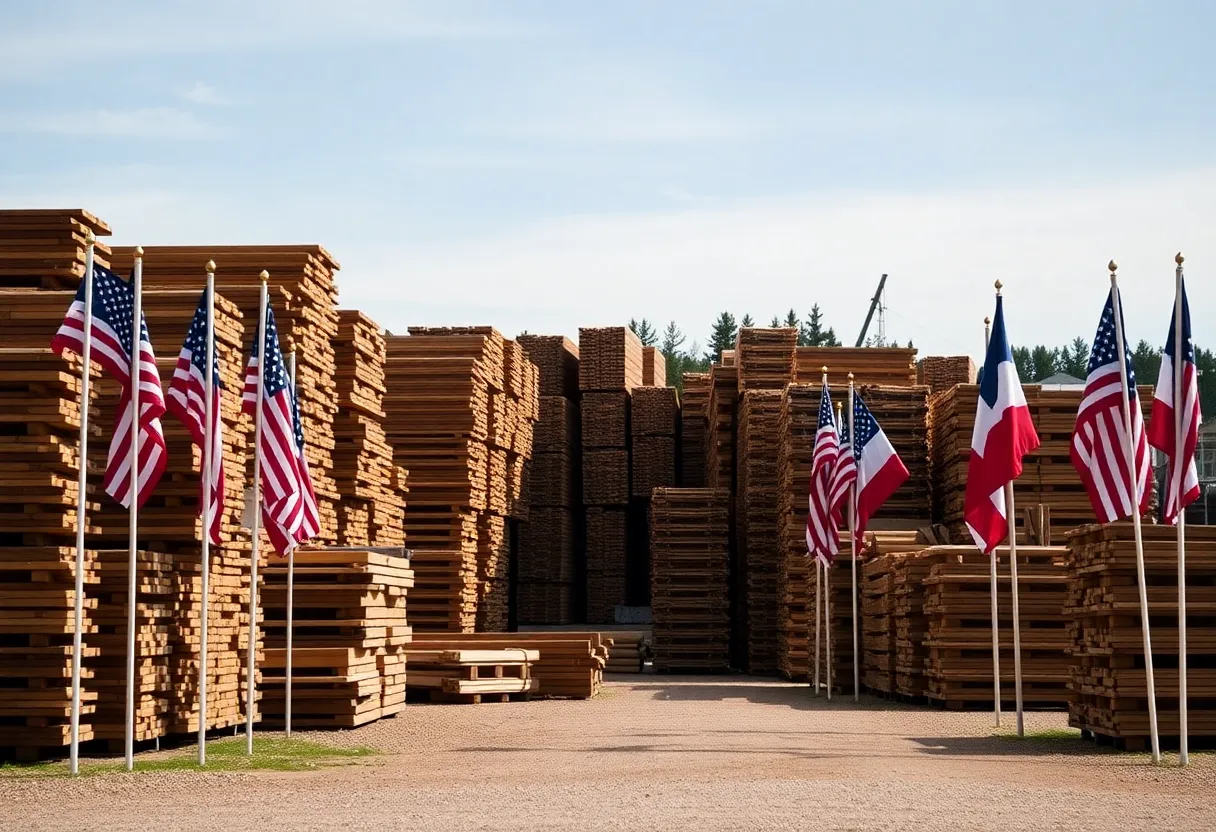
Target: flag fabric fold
(1099, 439)
(1161, 427)
(880, 471)
(111, 347)
(186, 401)
(822, 539)
(1004, 433)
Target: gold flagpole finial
(1113, 266)
(998, 284)
(1178, 258)
(209, 266)
(265, 275)
(824, 369)
(850, 376)
(89, 237)
(139, 251)
(987, 320)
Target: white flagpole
(827, 626)
(853, 558)
(1130, 450)
(256, 522)
(81, 500)
(818, 606)
(291, 578)
(992, 591)
(209, 404)
(1179, 472)
(134, 382)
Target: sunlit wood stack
(610, 358)
(656, 414)
(349, 637)
(720, 441)
(765, 357)
(758, 541)
(1108, 683)
(903, 415)
(941, 372)
(304, 298)
(958, 608)
(557, 360)
(877, 629)
(690, 603)
(627, 651)
(45, 249)
(39, 466)
(569, 665)
(372, 512)
(908, 574)
(694, 429)
(869, 365)
(654, 367)
(472, 675)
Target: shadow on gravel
(1040, 744)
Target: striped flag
(844, 472)
(113, 319)
(1161, 433)
(288, 504)
(821, 537)
(1099, 440)
(880, 471)
(311, 525)
(186, 402)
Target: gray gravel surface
(660, 753)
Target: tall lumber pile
(877, 625)
(39, 465)
(349, 637)
(550, 563)
(570, 665)
(869, 365)
(1108, 683)
(689, 530)
(654, 367)
(765, 357)
(903, 414)
(45, 248)
(372, 511)
(461, 404)
(610, 367)
(694, 430)
(941, 372)
(908, 574)
(760, 563)
(656, 414)
(304, 297)
(723, 410)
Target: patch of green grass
(1048, 736)
(269, 754)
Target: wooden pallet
(570, 664)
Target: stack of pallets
(941, 372)
(869, 365)
(472, 675)
(958, 608)
(903, 414)
(720, 441)
(349, 637)
(654, 367)
(1108, 683)
(570, 664)
(771, 600)
(694, 429)
(39, 466)
(690, 607)
(765, 357)
(877, 626)
(627, 651)
(44, 249)
(372, 511)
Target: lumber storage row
(941, 372)
(45, 248)
(694, 429)
(569, 665)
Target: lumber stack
(372, 511)
(690, 530)
(654, 367)
(349, 637)
(877, 626)
(765, 357)
(1108, 683)
(959, 616)
(472, 676)
(45, 248)
(656, 414)
(720, 442)
(610, 358)
(39, 465)
(908, 574)
(627, 651)
(694, 429)
(570, 664)
(557, 360)
(772, 602)
(941, 372)
(304, 296)
(869, 365)
(903, 414)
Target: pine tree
(747, 321)
(645, 332)
(722, 336)
(792, 321)
(812, 333)
(1074, 358)
(1021, 360)
(1147, 361)
(1043, 362)
(673, 339)
(775, 322)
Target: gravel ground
(660, 753)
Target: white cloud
(147, 123)
(204, 93)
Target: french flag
(1004, 433)
(880, 471)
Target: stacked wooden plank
(472, 675)
(689, 573)
(1108, 683)
(903, 414)
(959, 638)
(765, 357)
(941, 372)
(908, 574)
(877, 626)
(570, 664)
(304, 298)
(720, 441)
(869, 365)
(654, 367)
(349, 637)
(44, 249)
(610, 358)
(557, 360)
(372, 511)
(772, 602)
(656, 413)
(627, 651)
(39, 465)
(694, 429)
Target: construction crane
(874, 304)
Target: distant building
(1061, 380)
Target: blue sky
(543, 166)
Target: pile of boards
(628, 650)
(567, 665)
(689, 529)
(869, 365)
(694, 429)
(472, 675)
(941, 372)
(1108, 685)
(349, 637)
(461, 404)
(45, 248)
(760, 554)
(903, 414)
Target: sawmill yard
(657, 752)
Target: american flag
(844, 474)
(821, 536)
(1161, 433)
(186, 401)
(288, 504)
(113, 317)
(879, 472)
(1099, 440)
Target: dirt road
(659, 753)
